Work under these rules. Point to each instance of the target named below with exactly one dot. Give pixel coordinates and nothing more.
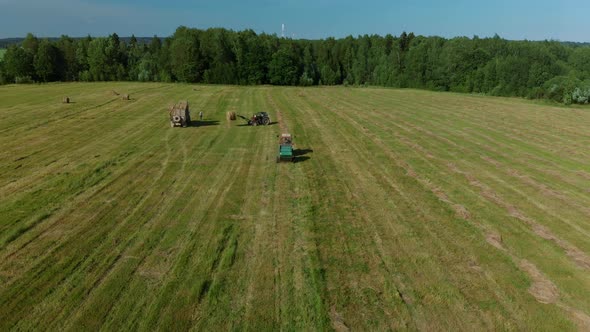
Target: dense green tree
(45, 61)
(218, 50)
(98, 61)
(18, 64)
(185, 55)
(327, 63)
(580, 62)
(135, 54)
(547, 69)
(284, 68)
(155, 45)
(67, 62)
(360, 64)
(310, 72)
(252, 58)
(147, 68)
(82, 59)
(31, 43)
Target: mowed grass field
(405, 210)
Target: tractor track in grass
(127, 173)
(175, 188)
(444, 129)
(520, 213)
(353, 191)
(575, 254)
(569, 222)
(405, 295)
(23, 191)
(81, 145)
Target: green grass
(2, 51)
(408, 210)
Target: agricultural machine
(286, 148)
(180, 115)
(258, 119)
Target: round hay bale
(66, 100)
(231, 116)
(125, 97)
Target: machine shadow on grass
(204, 123)
(247, 125)
(301, 155)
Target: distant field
(406, 210)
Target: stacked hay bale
(66, 100)
(230, 116)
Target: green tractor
(286, 148)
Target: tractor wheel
(266, 121)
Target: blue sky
(527, 19)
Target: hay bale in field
(66, 100)
(230, 116)
(125, 97)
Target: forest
(491, 66)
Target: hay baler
(286, 148)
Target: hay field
(405, 210)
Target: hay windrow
(461, 211)
(495, 240)
(337, 321)
(580, 318)
(580, 258)
(543, 289)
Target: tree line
(494, 66)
